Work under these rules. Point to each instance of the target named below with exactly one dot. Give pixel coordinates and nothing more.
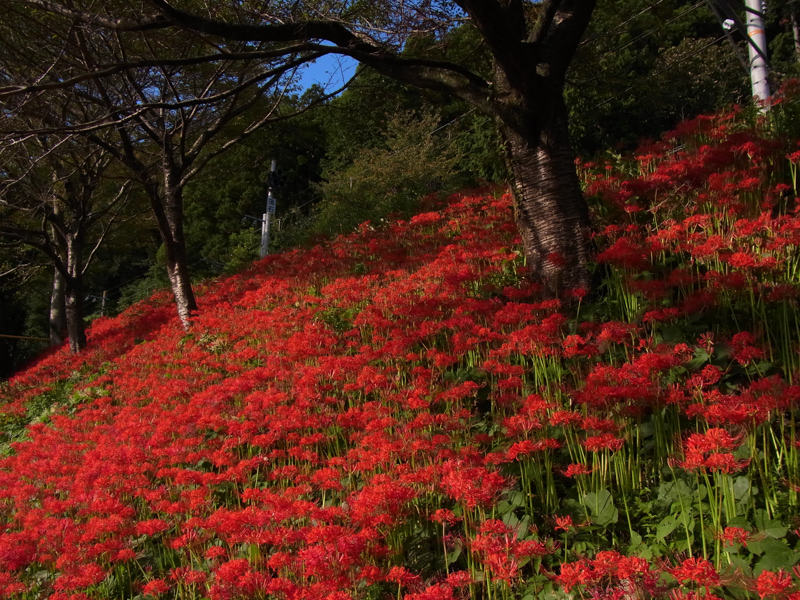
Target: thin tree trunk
(180, 281)
(76, 328)
(58, 317)
(73, 297)
(172, 234)
(796, 33)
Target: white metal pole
(264, 234)
(265, 222)
(758, 52)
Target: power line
(660, 26)
(661, 70)
(621, 25)
(629, 64)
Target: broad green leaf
(601, 506)
(741, 487)
(667, 526)
(776, 555)
(772, 527)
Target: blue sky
(330, 72)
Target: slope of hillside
(395, 414)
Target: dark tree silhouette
(531, 43)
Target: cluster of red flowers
(395, 412)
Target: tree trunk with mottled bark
(73, 293)
(170, 223)
(58, 315)
(76, 327)
(550, 210)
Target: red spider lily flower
(528, 447)
(155, 587)
(735, 535)
(151, 527)
(232, 571)
(605, 441)
(574, 574)
(743, 350)
(123, 555)
(696, 570)
(725, 462)
(625, 253)
(433, 592)
(10, 586)
(713, 439)
(445, 516)
(525, 548)
(401, 576)
(215, 552)
(577, 469)
(83, 576)
(691, 595)
(770, 583)
(472, 486)
(563, 523)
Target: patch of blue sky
(330, 72)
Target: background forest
(374, 150)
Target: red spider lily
(698, 571)
(401, 576)
(625, 253)
(155, 587)
(605, 441)
(312, 417)
(705, 451)
(564, 523)
(743, 348)
(471, 486)
(735, 535)
(576, 469)
(606, 569)
(769, 583)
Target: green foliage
(412, 163)
(645, 66)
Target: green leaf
(741, 487)
(700, 358)
(667, 526)
(453, 556)
(516, 499)
(601, 506)
(776, 555)
(677, 490)
(737, 563)
(772, 527)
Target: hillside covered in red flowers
(394, 413)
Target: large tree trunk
(58, 317)
(551, 212)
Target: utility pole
(758, 52)
(728, 14)
(265, 221)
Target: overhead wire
(641, 36)
(620, 25)
(658, 71)
(649, 32)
